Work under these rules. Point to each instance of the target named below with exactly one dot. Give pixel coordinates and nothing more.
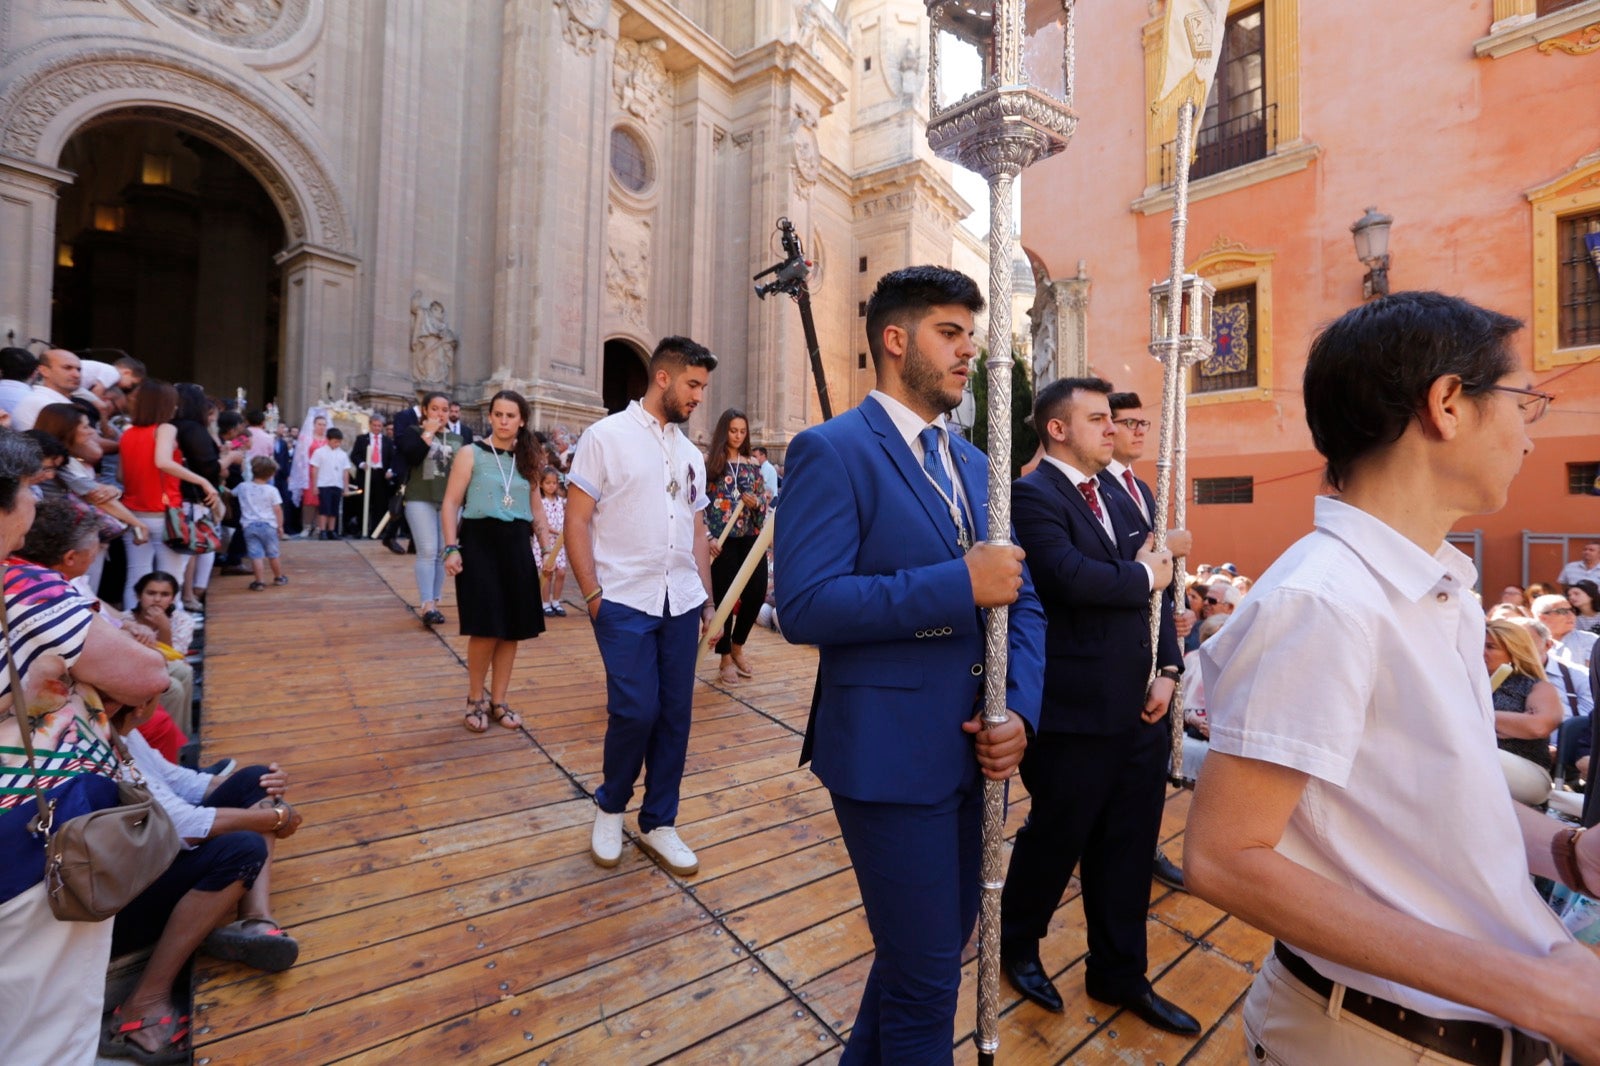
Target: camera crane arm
(789, 278)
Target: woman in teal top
(489, 516)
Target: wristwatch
(1564, 850)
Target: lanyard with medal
(505, 475)
(958, 514)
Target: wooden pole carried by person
(757, 552)
(733, 520)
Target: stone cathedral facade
(306, 197)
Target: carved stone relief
(807, 23)
(433, 343)
(639, 79)
(807, 154)
(627, 265)
(221, 109)
(582, 23)
(241, 23)
(304, 85)
(905, 69)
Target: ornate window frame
(1518, 25)
(1283, 89)
(1228, 266)
(1576, 190)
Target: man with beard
(881, 560)
(636, 538)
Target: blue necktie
(929, 439)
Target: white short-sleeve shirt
(644, 534)
(1357, 659)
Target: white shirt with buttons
(644, 535)
(1357, 659)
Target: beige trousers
(52, 983)
(1287, 1024)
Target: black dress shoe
(392, 546)
(1167, 872)
(1028, 977)
(1161, 1013)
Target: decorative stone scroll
(627, 265)
(582, 23)
(639, 79)
(256, 24)
(807, 155)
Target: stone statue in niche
(628, 265)
(905, 75)
(639, 79)
(807, 22)
(433, 342)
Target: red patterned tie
(1133, 490)
(1092, 498)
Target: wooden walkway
(447, 908)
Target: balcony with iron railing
(1242, 139)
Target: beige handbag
(96, 863)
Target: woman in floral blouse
(733, 476)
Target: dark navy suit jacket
(1097, 598)
(867, 566)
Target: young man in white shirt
(1352, 804)
(636, 538)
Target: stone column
(319, 302)
(1072, 305)
(28, 251)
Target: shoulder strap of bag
(19, 710)
(1572, 691)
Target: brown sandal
(477, 717)
(505, 716)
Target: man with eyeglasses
(1222, 596)
(1573, 645)
(1352, 805)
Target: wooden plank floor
(447, 908)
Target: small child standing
(332, 469)
(555, 514)
(261, 518)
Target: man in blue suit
(881, 561)
(1096, 771)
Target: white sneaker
(663, 843)
(605, 842)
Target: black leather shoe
(1167, 872)
(1161, 1013)
(392, 546)
(1028, 977)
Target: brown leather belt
(1475, 1042)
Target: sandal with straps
(477, 717)
(505, 716)
(114, 1042)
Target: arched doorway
(624, 374)
(164, 249)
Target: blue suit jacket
(1097, 598)
(867, 567)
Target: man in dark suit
(881, 561)
(374, 456)
(405, 420)
(1096, 770)
(458, 425)
(1117, 482)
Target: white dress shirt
(26, 413)
(644, 536)
(910, 424)
(1117, 469)
(1576, 571)
(1357, 659)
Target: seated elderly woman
(52, 973)
(1527, 709)
(213, 897)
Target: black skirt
(497, 591)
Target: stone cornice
(783, 57)
(918, 176)
(1527, 33)
(1287, 160)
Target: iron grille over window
(1233, 332)
(1578, 280)
(1581, 479)
(1239, 126)
(629, 162)
(1224, 490)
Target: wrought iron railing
(1240, 140)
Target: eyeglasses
(1133, 423)
(1533, 408)
(1558, 610)
(1213, 602)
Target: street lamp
(1000, 82)
(1371, 233)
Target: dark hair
(193, 406)
(334, 433)
(717, 456)
(1591, 588)
(1124, 401)
(263, 466)
(227, 422)
(677, 353)
(128, 362)
(158, 575)
(1055, 397)
(1369, 372)
(903, 297)
(549, 471)
(61, 421)
(17, 364)
(152, 403)
(525, 451)
(60, 525)
(50, 446)
(429, 397)
(255, 417)
(19, 459)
